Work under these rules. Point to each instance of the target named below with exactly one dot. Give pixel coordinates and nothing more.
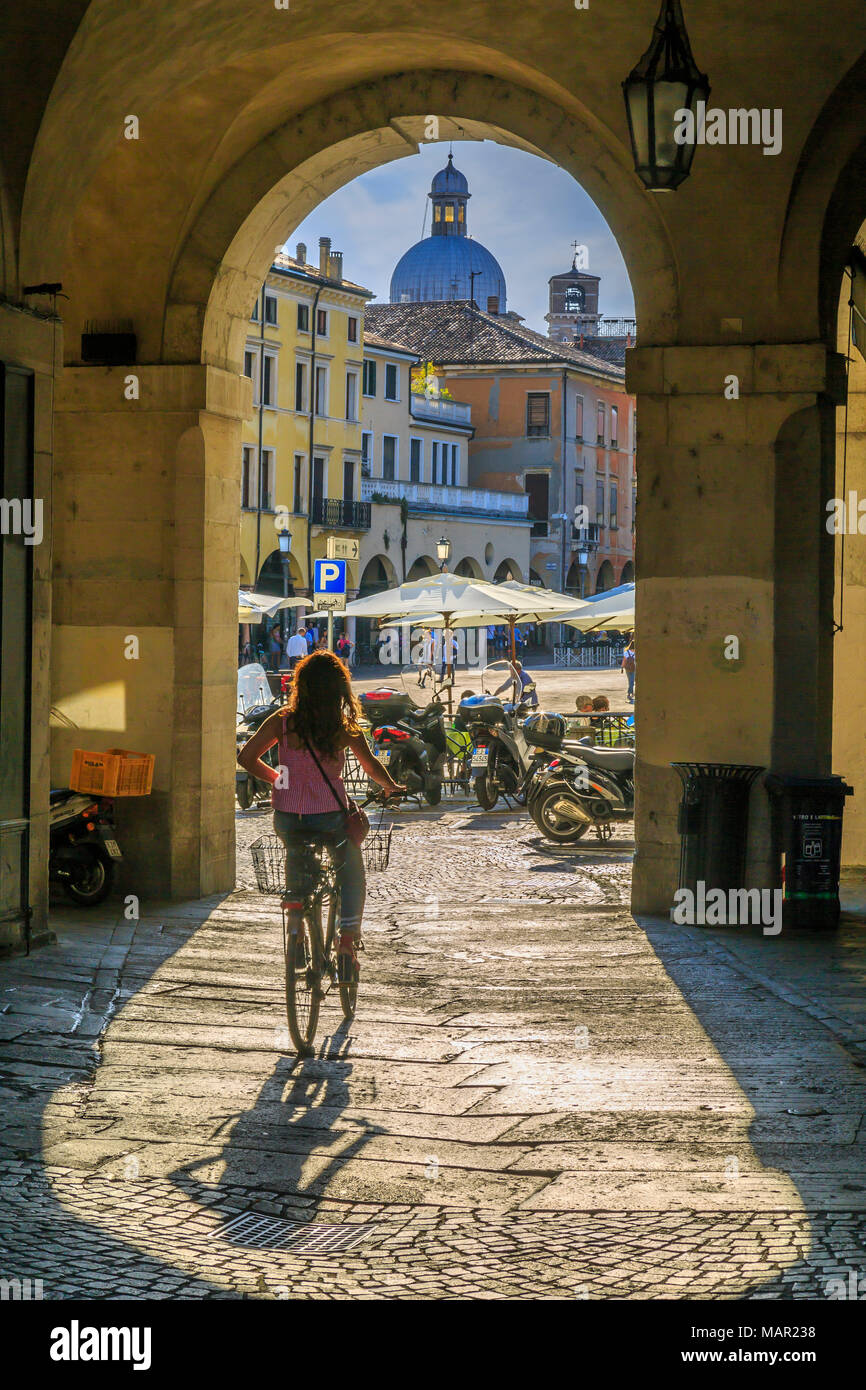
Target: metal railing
(589, 657)
(435, 408)
(432, 495)
(338, 513)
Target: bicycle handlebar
(381, 797)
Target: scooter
(502, 761)
(83, 851)
(410, 741)
(583, 786)
(248, 788)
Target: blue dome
(449, 180)
(438, 268)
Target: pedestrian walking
(449, 653)
(628, 665)
(296, 647)
(425, 658)
(275, 647)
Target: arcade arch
(233, 154)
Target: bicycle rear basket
(376, 849)
(269, 864)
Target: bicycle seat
(614, 759)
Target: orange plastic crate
(115, 772)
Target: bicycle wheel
(303, 952)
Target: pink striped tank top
(307, 793)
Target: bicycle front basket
(269, 863)
(376, 849)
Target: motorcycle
(83, 851)
(582, 786)
(503, 763)
(410, 740)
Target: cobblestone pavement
(540, 1098)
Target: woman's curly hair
(321, 705)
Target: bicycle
(309, 954)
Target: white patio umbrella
(438, 599)
(448, 594)
(253, 607)
(612, 609)
(448, 600)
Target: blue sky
(525, 210)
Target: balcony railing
(340, 515)
(435, 408)
(586, 535)
(438, 497)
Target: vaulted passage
(244, 118)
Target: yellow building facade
(301, 447)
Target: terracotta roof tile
(455, 333)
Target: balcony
(428, 497)
(339, 515)
(439, 411)
(586, 535)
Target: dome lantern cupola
(449, 193)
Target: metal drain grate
(307, 1238)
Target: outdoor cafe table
(608, 727)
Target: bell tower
(573, 301)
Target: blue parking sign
(330, 576)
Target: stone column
(146, 510)
(849, 699)
(35, 343)
(734, 580)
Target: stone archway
(232, 154)
(469, 568)
(378, 574)
(604, 577)
(217, 245)
(422, 568)
(270, 578)
(230, 190)
(508, 569)
(627, 575)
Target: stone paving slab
(540, 1098)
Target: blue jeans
(630, 679)
(331, 827)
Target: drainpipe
(312, 431)
(261, 426)
(563, 493)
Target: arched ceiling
(232, 93)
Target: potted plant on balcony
(425, 382)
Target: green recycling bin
(807, 843)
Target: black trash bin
(807, 843)
(713, 823)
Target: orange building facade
(551, 420)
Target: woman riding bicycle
(313, 730)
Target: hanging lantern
(663, 86)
